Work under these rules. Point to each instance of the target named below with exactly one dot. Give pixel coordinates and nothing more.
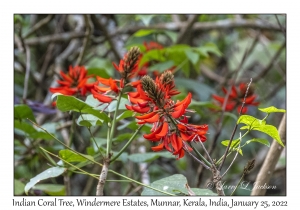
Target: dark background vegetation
(242, 46)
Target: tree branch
(271, 160)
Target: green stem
(113, 126)
(72, 130)
(231, 149)
(237, 185)
(127, 144)
(201, 157)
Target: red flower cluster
(128, 67)
(170, 125)
(236, 98)
(75, 81)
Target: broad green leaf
(173, 35)
(124, 115)
(23, 128)
(262, 141)
(89, 120)
(271, 109)
(18, 187)
(209, 48)
(203, 91)
(51, 189)
(71, 156)
(90, 100)
(207, 104)
(49, 173)
(271, 131)
(154, 54)
(251, 121)
(112, 106)
(173, 184)
(122, 137)
(22, 112)
(101, 72)
(144, 32)
(70, 103)
(148, 156)
(161, 67)
(97, 63)
(234, 143)
(208, 192)
(192, 56)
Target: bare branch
(271, 160)
(38, 25)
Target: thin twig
(63, 37)
(26, 79)
(237, 152)
(283, 30)
(187, 29)
(100, 26)
(38, 25)
(88, 24)
(199, 161)
(235, 127)
(270, 64)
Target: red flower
(170, 125)
(236, 98)
(75, 81)
(127, 68)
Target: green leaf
(209, 48)
(234, 143)
(122, 137)
(192, 56)
(23, 128)
(204, 192)
(251, 121)
(144, 32)
(161, 67)
(171, 34)
(22, 112)
(49, 173)
(271, 131)
(101, 72)
(51, 189)
(18, 187)
(262, 141)
(124, 115)
(112, 106)
(173, 184)
(89, 120)
(148, 156)
(71, 156)
(271, 109)
(70, 103)
(203, 91)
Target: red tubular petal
(218, 98)
(179, 112)
(250, 99)
(103, 81)
(113, 85)
(158, 147)
(133, 94)
(101, 89)
(140, 110)
(176, 143)
(164, 130)
(135, 83)
(100, 97)
(115, 65)
(64, 90)
(128, 107)
(146, 116)
(151, 136)
(185, 137)
(153, 119)
(66, 77)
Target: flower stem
(127, 144)
(201, 157)
(113, 126)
